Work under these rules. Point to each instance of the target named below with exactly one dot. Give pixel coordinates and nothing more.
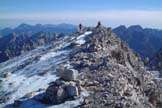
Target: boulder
(6, 75)
(60, 91)
(68, 74)
(4, 98)
(72, 91)
(61, 95)
(55, 94)
(59, 82)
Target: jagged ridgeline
(14, 42)
(114, 73)
(91, 68)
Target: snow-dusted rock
(81, 39)
(6, 75)
(60, 91)
(68, 74)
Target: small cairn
(67, 87)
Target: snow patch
(81, 40)
(52, 54)
(22, 85)
(156, 74)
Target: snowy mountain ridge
(111, 74)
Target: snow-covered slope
(28, 75)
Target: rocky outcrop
(67, 73)
(65, 88)
(114, 75)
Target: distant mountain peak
(38, 25)
(144, 41)
(24, 25)
(122, 27)
(135, 28)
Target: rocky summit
(91, 68)
(113, 74)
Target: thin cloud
(114, 17)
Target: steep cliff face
(112, 74)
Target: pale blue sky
(147, 13)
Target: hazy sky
(147, 13)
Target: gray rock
(61, 95)
(55, 94)
(60, 82)
(68, 74)
(60, 91)
(4, 97)
(72, 91)
(6, 75)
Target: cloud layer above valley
(146, 18)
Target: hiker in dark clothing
(98, 24)
(80, 28)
